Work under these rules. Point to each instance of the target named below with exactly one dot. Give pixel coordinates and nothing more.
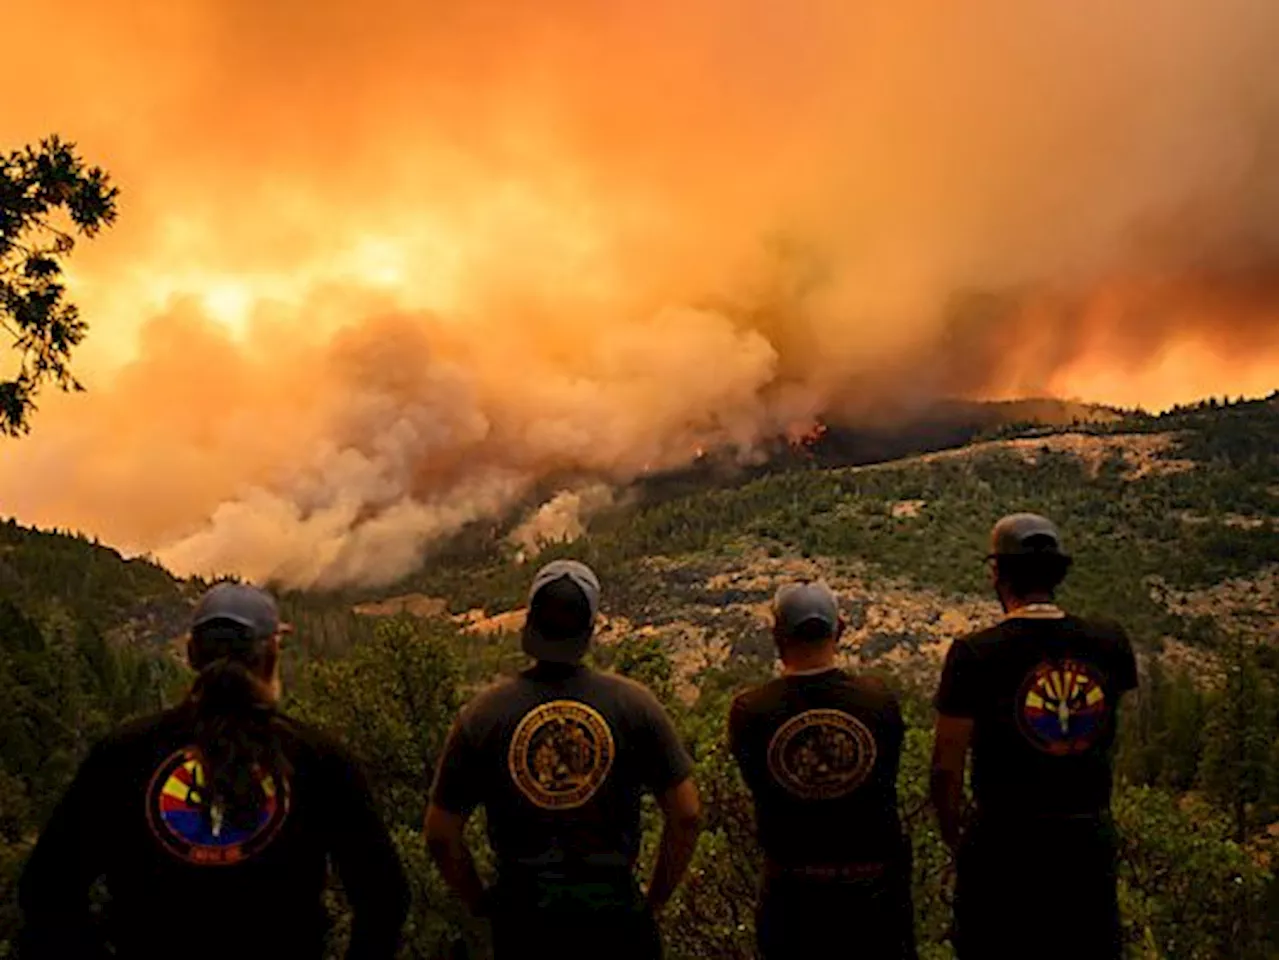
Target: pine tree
(1239, 764)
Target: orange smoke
(384, 269)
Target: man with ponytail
(213, 824)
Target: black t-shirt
(820, 754)
(559, 757)
(184, 883)
(1042, 690)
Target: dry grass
(1144, 453)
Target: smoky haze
(383, 269)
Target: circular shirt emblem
(189, 827)
(1062, 707)
(560, 754)
(822, 754)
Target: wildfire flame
(804, 437)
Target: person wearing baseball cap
(1034, 699)
(213, 822)
(560, 756)
(819, 748)
(564, 601)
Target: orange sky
(382, 268)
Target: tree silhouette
(48, 197)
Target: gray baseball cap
(562, 649)
(796, 603)
(1022, 534)
(240, 603)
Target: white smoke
(561, 519)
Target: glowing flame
(803, 436)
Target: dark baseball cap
(1025, 534)
(251, 607)
(797, 603)
(562, 573)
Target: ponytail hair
(237, 731)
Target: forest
(1179, 545)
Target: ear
(840, 625)
(272, 652)
(268, 667)
(191, 651)
(779, 640)
(270, 672)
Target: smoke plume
(561, 519)
(383, 269)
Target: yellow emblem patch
(560, 754)
(822, 754)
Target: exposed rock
(1143, 453)
(888, 622)
(1244, 604)
(509, 621)
(414, 604)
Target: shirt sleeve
(958, 689)
(666, 762)
(895, 730)
(740, 742)
(1126, 672)
(53, 892)
(367, 863)
(737, 732)
(457, 787)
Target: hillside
(896, 434)
(1172, 521)
(55, 576)
(81, 634)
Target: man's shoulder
(1101, 628)
(141, 731)
(993, 644)
(494, 691)
(628, 693)
(494, 699)
(869, 688)
(985, 639)
(760, 698)
(1105, 638)
(312, 738)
